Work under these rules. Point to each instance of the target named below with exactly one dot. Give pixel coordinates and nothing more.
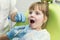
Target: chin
(32, 26)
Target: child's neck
(37, 29)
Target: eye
(30, 12)
(37, 13)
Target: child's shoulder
(42, 32)
(45, 32)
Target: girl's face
(36, 18)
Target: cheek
(40, 19)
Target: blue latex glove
(20, 17)
(12, 33)
(22, 33)
(8, 17)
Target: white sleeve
(42, 37)
(13, 6)
(45, 37)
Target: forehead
(40, 7)
(36, 8)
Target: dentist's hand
(17, 32)
(20, 17)
(12, 33)
(17, 17)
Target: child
(38, 17)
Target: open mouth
(32, 21)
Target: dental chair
(53, 24)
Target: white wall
(23, 5)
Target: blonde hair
(43, 6)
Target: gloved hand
(22, 33)
(17, 32)
(8, 17)
(20, 17)
(12, 33)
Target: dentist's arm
(9, 35)
(14, 32)
(12, 16)
(4, 37)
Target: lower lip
(31, 23)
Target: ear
(45, 19)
